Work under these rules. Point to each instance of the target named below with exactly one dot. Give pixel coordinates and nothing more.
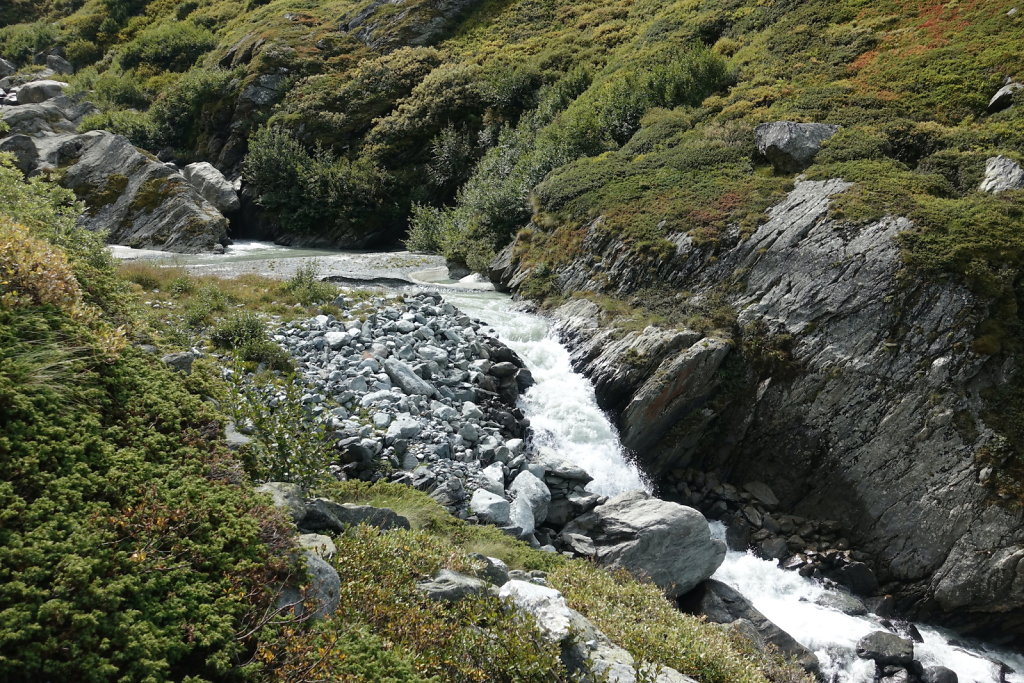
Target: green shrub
(134, 125)
(289, 442)
(337, 107)
(239, 330)
(475, 639)
(170, 46)
(313, 192)
(203, 304)
(81, 52)
(193, 106)
(266, 353)
(305, 285)
(116, 475)
(20, 42)
(183, 285)
(113, 89)
(50, 213)
(662, 635)
(427, 228)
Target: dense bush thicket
(313, 192)
(130, 548)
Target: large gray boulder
(6, 67)
(449, 586)
(23, 149)
(59, 65)
(60, 115)
(521, 517)
(40, 91)
(322, 593)
(212, 184)
(406, 379)
(547, 606)
(322, 545)
(1002, 174)
(286, 496)
(668, 543)
(489, 507)
(528, 488)
(789, 146)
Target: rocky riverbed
(415, 391)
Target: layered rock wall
(876, 420)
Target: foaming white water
(562, 406)
(788, 600)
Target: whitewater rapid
(562, 407)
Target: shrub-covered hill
(355, 113)
(132, 545)
(129, 547)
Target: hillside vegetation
(471, 117)
(133, 548)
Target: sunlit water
(566, 419)
(562, 406)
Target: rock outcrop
(585, 649)
(213, 186)
(128, 194)
(853, 390)
(721, 604)
(1005, 97)
(40, 91)
(1002, 174)
(381, 27)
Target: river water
(564, 414)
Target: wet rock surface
(722, 604)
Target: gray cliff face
(137, 200)
(876, 422)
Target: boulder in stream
(886, 648)
(666, 542)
